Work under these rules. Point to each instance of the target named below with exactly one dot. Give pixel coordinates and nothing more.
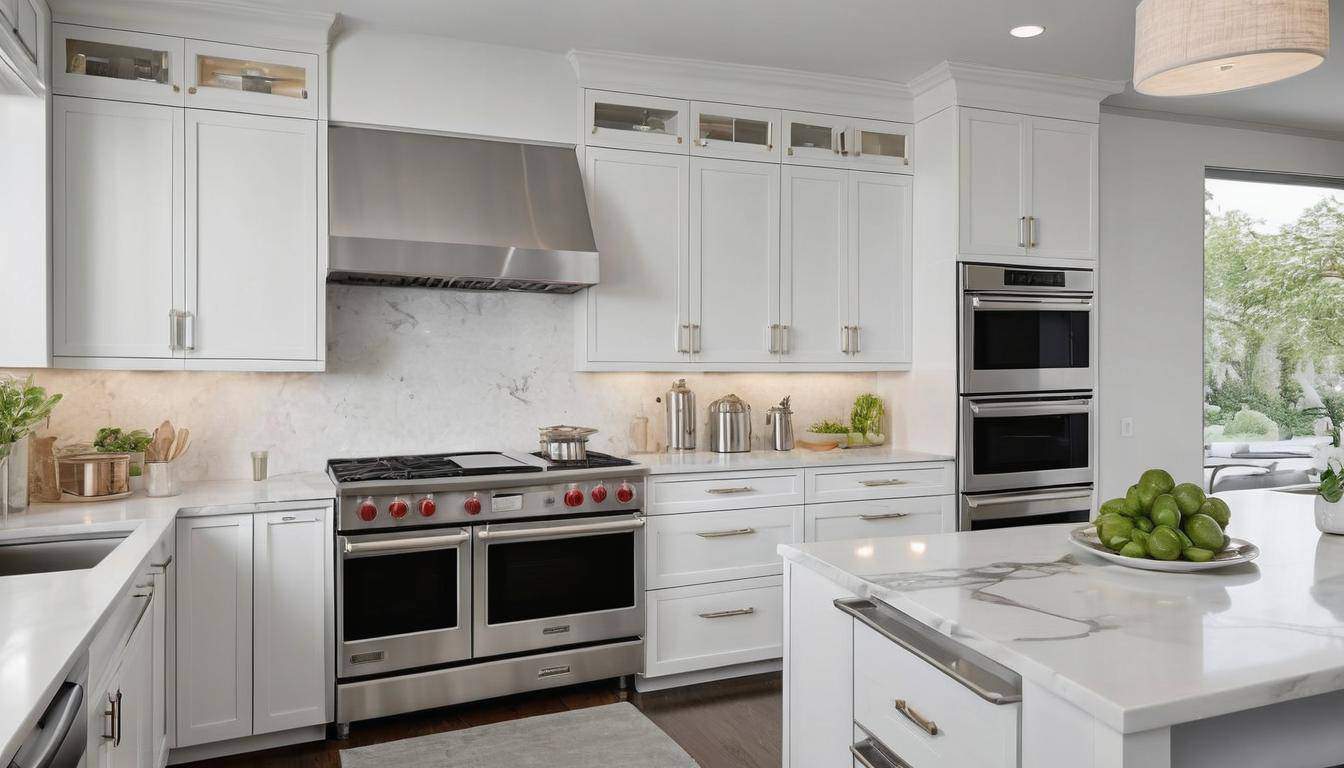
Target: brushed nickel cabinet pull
(1031, 231)
(885, 516)
(191, 89)
(1022, 232)
(177, 88)
(881, 483)
(738, 489)
(925, 724)
(724, 534)
(725, 614)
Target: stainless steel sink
(53, 553)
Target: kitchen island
(1013, 647)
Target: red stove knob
(625, 493)
(427, 507)
(398, 508)
(367, 511)
(573, 497)
(598, 494)
(472, 506)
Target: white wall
(1152, 279)
(454, 86)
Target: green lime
(1116, 543)
(1164, 544)
(1147, 494)
(1217, 509)
(1205, 532)
(1166, 511)
(1158, 479)
(1114, 506)
(1139, 535)
(1144, 523)
(1188, 497)
(1111, 525)
(1132, 504)
(1133, 549)
(1197, 554)
(1185, 540)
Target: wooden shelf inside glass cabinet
(252, 76)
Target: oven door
(557, 582)
(403, 600)
(1012, 442)
(1025, 343)
(983, 511)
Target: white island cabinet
(1013, 648)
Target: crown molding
(956, 83)
(743, 84)
(207, 19)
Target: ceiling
(886, 39)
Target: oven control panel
(412, 509)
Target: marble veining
(1136, 649)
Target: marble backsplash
(413, 370)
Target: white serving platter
(1238, 551)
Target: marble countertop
(1135, 649)
(682, 462)
(48, 619)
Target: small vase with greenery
(1330, 492)
(23, 405)
(864, 427)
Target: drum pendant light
(1193, 47)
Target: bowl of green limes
(1162, 526)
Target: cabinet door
(814, 263)
(880, 145)
(254, 80)
(1063, 189)
(993, 183)
(734, 132)
(639, 312)
(734, 260)
(115, 64)
(292, 626)
(812, 139)
(252, 273)
(880, 237)
(161, 658)
(214, 628)
(126, 703)
(117, 181)
(631, 121)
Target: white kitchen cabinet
(639, 314)
(704, 547)
(734, 261)
(252, 263)
(813, 139)
(880, 289)
(814, 263)
(122, 711)
(841, 520)
(292, 566)
(846, 142)
(632, 121)
(735, 132)
(214, 628)
(118, 223)
(880, 145)
(253, 80)
(993, 183)
(162, 654)
(117, 64)
(713, 625)
(1062, 189)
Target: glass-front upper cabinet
(814, 139)
(114, 64)
(630, 121)
(846, 142)
(881, 145)
(734, 132)
(255, 80)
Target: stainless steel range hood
(411, 209)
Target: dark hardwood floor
(728, 724)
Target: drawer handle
(726, 614)
(886, 516)
(925, 724)
(553, 671)
(722, 534)
(881, 483)
(738, 489)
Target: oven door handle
(988, 304)
(388, 546)
(1017, 498)
(1010, 409)
(485, 534)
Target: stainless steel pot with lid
(729, 425)
(562, 442)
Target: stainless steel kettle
(680, 401)
(729, 425)
(780, 421)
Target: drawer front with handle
(708, 491)
(879, 481)
(714, 625)
(880, 517)
(704, 547)
(930, 708)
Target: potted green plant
(864, 427)
(23, 405)
(1330, 492)
(133, 442)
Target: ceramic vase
(1330, 515)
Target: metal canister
(680, 401)
(780, 421)
(729, 425)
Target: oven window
(396, 594)
(559, 577)
(1030, 340)
(1029, 443)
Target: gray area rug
(610, 736)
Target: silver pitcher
(729, 425)
(680, 402)
(780, 421)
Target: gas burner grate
(595, 460)
(418, 467)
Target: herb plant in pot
(133, 442)
(23, 405)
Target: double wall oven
(1027, 371)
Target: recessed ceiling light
(1026, 30)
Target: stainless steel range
(472, 575)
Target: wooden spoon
(163, 440)
(180, 443)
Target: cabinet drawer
(716, 546)
(879, 481)
(714, 625)
(672, 494)
(924, 715)
(880, 517)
